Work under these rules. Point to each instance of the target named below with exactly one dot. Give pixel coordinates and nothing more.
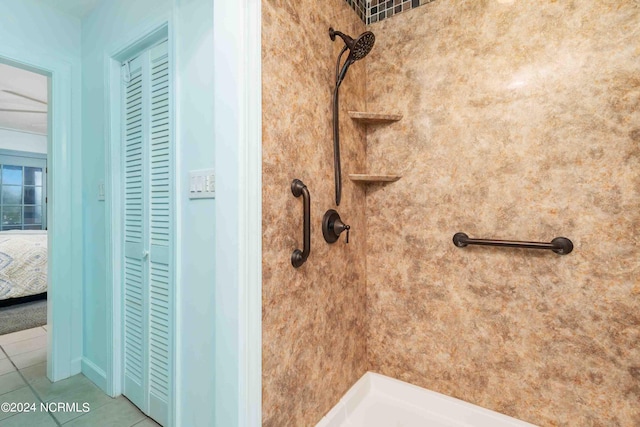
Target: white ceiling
(77, 8)
(25, 94)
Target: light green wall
(196, 284)
(101, 31)
(113, 25)
(35, 34)
(33, 26)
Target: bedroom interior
(24, 120)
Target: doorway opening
(24, 254)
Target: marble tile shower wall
(314, 316)
(371, 11)
(521, 121)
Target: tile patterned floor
(23, 378)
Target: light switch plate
(202, 184)
(101, 190)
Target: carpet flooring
(23, 316)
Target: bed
(23, 265)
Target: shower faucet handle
(332, 226)
(339, 227)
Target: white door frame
(144, 38)
(238, 143)
(64, 210)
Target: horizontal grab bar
(559, 245)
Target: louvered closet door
(148, 234)
(161, 227)
(135, 236)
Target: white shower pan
(379, 401)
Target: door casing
(64, 210)
(145, 38)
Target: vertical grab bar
(299, 257)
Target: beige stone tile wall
(314, 316)
(522, 121)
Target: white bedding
(23, 263)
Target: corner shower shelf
(359, 178)
(373, 118)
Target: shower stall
(513, 126)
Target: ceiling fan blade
(25, 96)
(9, 110)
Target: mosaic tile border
(361, 7)
(371, 11)
(378, 10)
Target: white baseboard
(94, 373)
(76, 366)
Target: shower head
(358, 48)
